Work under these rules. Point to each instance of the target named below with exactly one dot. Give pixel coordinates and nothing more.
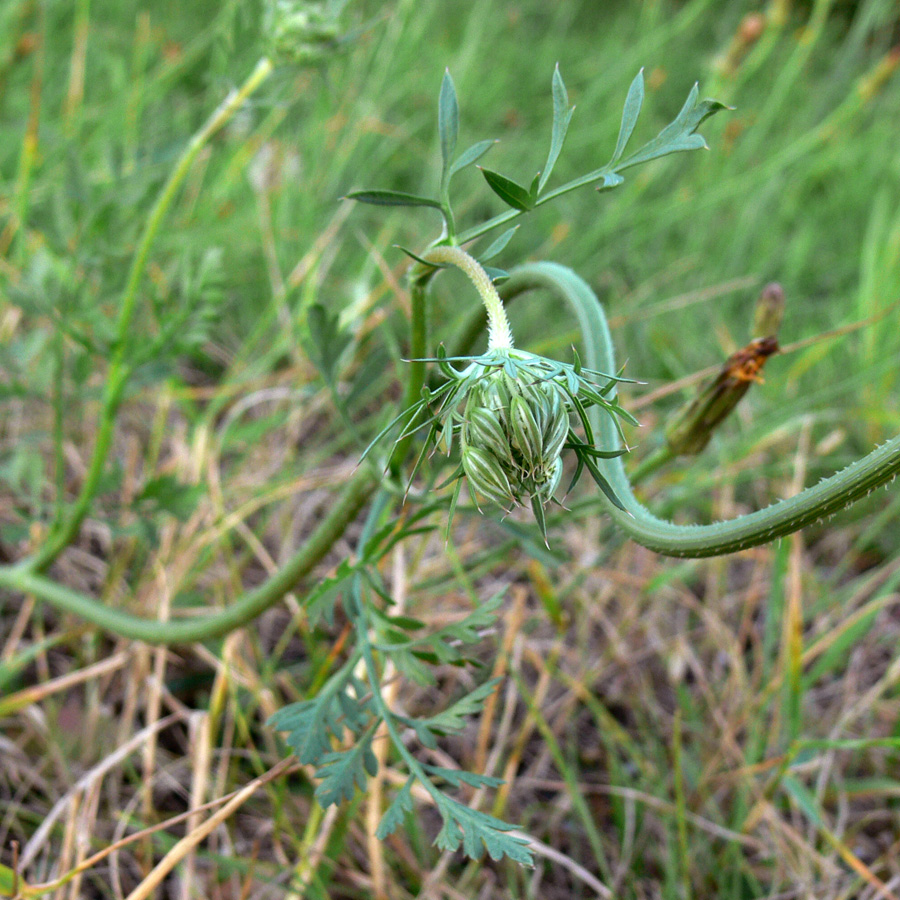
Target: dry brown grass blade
(27, 696)
(84, 783)
(36, 890)
(190, 840)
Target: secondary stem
(119, 369)
(246, 608)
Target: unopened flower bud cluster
(513, 433)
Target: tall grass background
(724, 728)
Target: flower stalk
(499, 333)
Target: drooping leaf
(562, 115)
(341, 772)
(392, 198)
(537, 507)
(476, 832)
(630, 112)
(396, 812)
(448, 123)
(508, 191)
(420, 259)
(602, 483)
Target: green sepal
(483, 429)
(525, 431)
(419, 259)
(486, 475)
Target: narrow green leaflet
(498, 246)
(392, 198)
(343, 771)
(472, 155)
(476, 832)
(508, 191)
(562, 115)
(397, 811)
(680, 134)
(466, 631)
(448, 124)
(601, 482)
(321, 601)
(630, 113)
(419, 259)
(414, 656)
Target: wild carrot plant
(486, 432)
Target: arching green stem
(781, 518)
(243, 610)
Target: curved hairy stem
(244, 609)
(781, 518)
(499, 332)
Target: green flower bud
(555, 434)
(486, 475)
(514, 429)
(484, 429)
(526, 435)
